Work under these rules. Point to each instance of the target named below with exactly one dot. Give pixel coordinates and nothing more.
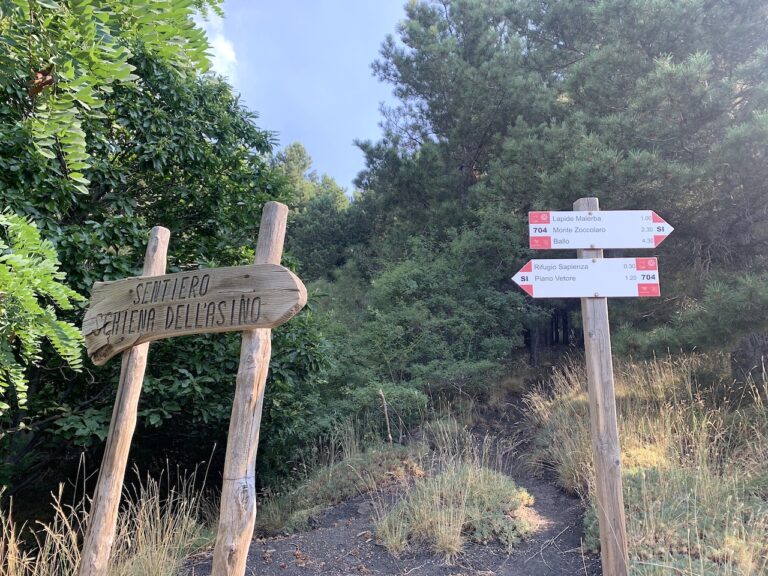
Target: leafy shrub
(31, 287)
(406, 406)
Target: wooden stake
(606, 451)
(106, 499)
(386, 415)
(238, 492)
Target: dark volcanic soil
(343, 544)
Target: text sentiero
(180, 316)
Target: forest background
(110, 123)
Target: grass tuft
(330, 484)
(463, 498)
(156, 530)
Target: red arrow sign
(599, 229)
(590, 278)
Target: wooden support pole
(238, 492)
(386, 415)
(100, 534)
(606, 451)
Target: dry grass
(463, 497)
(330, 484)
(156, 530)
(694, 466)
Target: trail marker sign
(596, 229)
(594, 279)
(126, 315)
(590, 278)
(131, 311)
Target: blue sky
(304, 66)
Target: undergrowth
(333, 483)
(694, 465)
(462, 497)
(157, 528)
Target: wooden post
(606, 452)
(386, 415)
(238, 492)
(109, 486)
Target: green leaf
(47, 152)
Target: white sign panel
(599, 229)
(590, 278)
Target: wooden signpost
(128, 314)
(237, 515)
(606, 449)
(594, 279)
(100, 535)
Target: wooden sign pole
(606, 452)
(103, 518)
(238, 492)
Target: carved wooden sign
(131, 311)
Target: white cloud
(223, 57)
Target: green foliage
(406, 407)
(320, 232)
(157, 144)
(31, 288)
(510, 106)
(460, 73)
(442, 318)
(83, 426)
(295, 163)
(297, 407)
(61, 60)
(727, 309)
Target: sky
(305, 67)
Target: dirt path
(342, 542)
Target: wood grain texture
(606, 451)
(100, 533)
(238, 492)
(131, 311)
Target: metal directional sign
(590, 278)
(599, 229)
